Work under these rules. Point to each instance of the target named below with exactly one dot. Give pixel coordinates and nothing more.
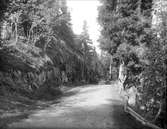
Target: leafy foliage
(41, 50)
(127, 35)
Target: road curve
(88, 107)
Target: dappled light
(78, 110)
(83, 64)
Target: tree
(43, 47)
(128, 36)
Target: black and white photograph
(83, 64)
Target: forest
(39, 50)
(40, 53)
(130, 35)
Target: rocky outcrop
(25, 70)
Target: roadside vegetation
(129, 36)
(39, 53)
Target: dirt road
(86, 107)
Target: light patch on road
(84, 109)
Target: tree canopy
(41, 49)
(128, 36)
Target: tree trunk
(16, 33)
(122, 76)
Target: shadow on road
(82, 108)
